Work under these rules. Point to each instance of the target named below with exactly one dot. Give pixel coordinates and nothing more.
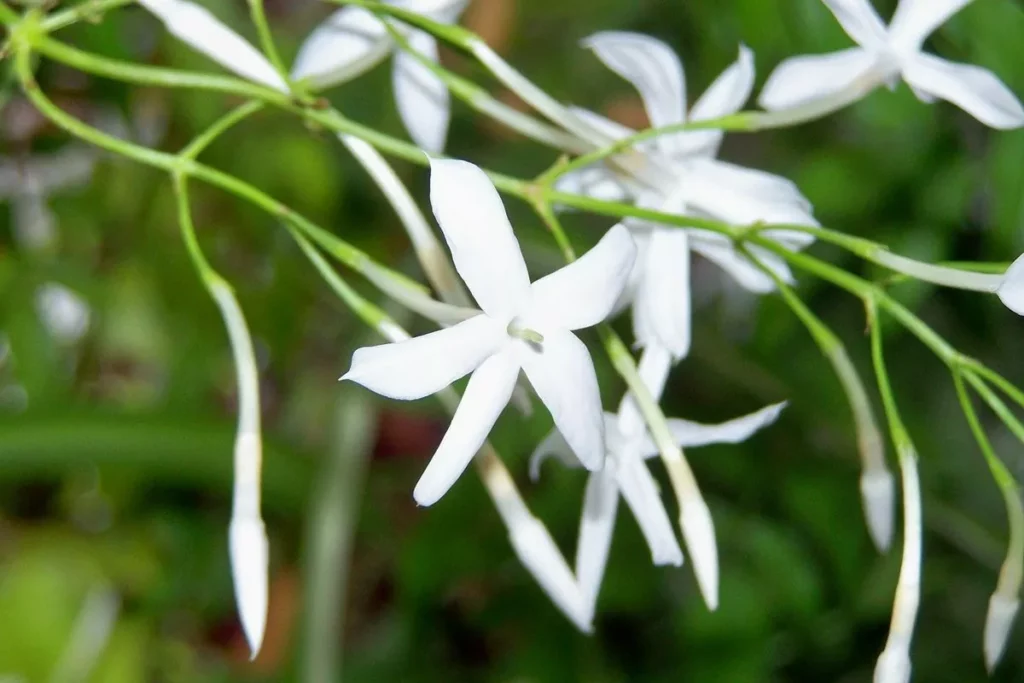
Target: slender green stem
(869, 437)
(995, 378)
(219, 127)
(1000, 473)
(154, 75)
(547, 214)
(85, 11)
(259, 19)
(483, 102)
(896, 655)
(996, 404)
(343, 251)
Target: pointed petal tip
(878, 495)
(699, 535)
(250, 553)
(539, 554)
(893, 666)
(1002, 610)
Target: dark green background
(119, 468)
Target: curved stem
(876, 479)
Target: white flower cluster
(530, 326)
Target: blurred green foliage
(115, 456)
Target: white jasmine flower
(629, 444)
(348, 43)
(523, 326)
(884, 56)
(197, 26)
(693, 182)
(353, 39)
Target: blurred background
(117, 386)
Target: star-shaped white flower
(695, 183)
(629, 444)
(884, 56)
(348, 43)
(523, 326)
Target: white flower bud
(878, 494)
(1002, 610)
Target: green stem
(482, 101)
(85, 11)
(219, 127)
(996, 404)
(343, 251)
(869, 437)
(259, 19)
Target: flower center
(518, 331)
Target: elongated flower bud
(1002, 610)
(699, 534)
(247, 538)
(878, 494)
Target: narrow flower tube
(894, 663)
(436, 264)
(1005, 601)
(248, 545)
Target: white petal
(542, 558)
(642, 496)
(197, 26)
(583, 293)
(422, 98)
(794, 240)
(486, 395)
(424, 365)
(1002, 611)
(878, 496)
(595, 181)
(562, 373)
(604, 125)
(915, 20)
(554, 444)
(1011, 291)
(250, 553)
(977, 91)
(799, 80)
(860, 21)
(893, 666)
(699, 535)
(694, 434)
(662, 310)
(741, 197)
(653, 369)
(484, 248)
(348, 43)
(600, 503)
(739, 267)
(750, 182)
(651, 66)
(726, 95)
